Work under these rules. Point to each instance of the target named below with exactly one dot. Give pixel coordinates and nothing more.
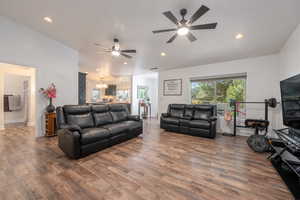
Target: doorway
(17, 91)
(145, 95)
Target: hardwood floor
(158, 165)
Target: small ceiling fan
(116, 51)
(184, 27)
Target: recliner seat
(84, 129)
(198, 120)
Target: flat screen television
(290, 98)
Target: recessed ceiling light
(125, 63)
(48, 20)
(163, 54)
(239, 36)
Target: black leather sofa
(198, 120)
(85, 129)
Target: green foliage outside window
(218, 91)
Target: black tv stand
(286, 160)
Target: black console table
(285, 158)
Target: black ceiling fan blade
(125, 55)
(204, 26)
(201, 11)
(107, 50)
(165, 30)
(128, 51)
(191, 37)
(103, 52)
(171, 17)
(172, 38)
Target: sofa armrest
(165, 115)
(211, 119)
(213, 129)
(71, 127)
(134, 117)
(69, 142)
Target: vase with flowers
(49, 93)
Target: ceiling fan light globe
(183, 31)
(115, 53)
(117, 47)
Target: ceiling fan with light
(184, 27)
(116, 51)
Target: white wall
(14, 85)
(290, 56)
(150, 81)
(262, 82)
(53, 61)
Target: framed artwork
(173, 87)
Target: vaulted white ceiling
(79, 24)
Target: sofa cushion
(199, 124)
(184, 122)
(82, 120)
(100, 108)
(189, 111)
(76, 109)
(91, 135)
(116, 128)
(203, 112)
(79, 115)
(170, 120)
(102, 118)
(119, 112)
(133, 124)
(101, 115)
(176, 110)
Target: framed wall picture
(173, 87)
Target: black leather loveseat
(198, 120)
(84, 129)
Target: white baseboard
(30, 124)
(14, 121)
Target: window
(142, 92)
(218, 91)
(123, 95)
(96, 95)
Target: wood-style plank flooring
(157, 165)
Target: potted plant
(49, 93)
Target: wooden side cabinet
(50, 124)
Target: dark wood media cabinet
(285, 158)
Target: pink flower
(50, 92)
